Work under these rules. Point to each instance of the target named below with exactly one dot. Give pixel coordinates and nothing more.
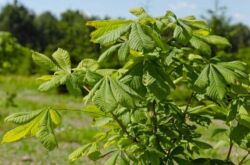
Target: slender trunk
(244, 158)
(229, 150)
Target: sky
(239, 10)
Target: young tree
(130, 93)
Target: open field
(74, 131)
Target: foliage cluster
(14, 57)
(129, 93)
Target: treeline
(46, 32)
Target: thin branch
(244, 158)
(151, 108)
(229, 150)
(65, 109)
(124, 129)
(189, 103)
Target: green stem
(124, 129)
(244, 158)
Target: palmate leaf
(138, 40)
(109, 93)
(39, 123)
(215, 78)
(62, 68)
(104, 97)
(63, 60)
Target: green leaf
(113, 35)
(104, 97)
(93, 111)
(88, 64)
(200, 45)
(216, 88)
(219, 131)
(123, 52)
(92, 78)
(240, 135)
(156, 37)
(182, 32)
(93, 91)
(137, 11)
(72, 85)
(41, 125)
(80, 152)
(63, 59)
(202, 80)
(108, 30)
(134, 79)
(46, 133)
(16, 133)
(216, 77)
(122, 93)
(94, 152)
(138, 40)
(216, 40)
(106, 56)
(44, 61)
(244, 120)
(22, 117)
(55, 117)
(200, 24)
(54, 82)
(156, 80)
(202, 145)
(112, 159)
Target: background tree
(75, 36)
(47, 26)
(18, 20)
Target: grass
(75, 129)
